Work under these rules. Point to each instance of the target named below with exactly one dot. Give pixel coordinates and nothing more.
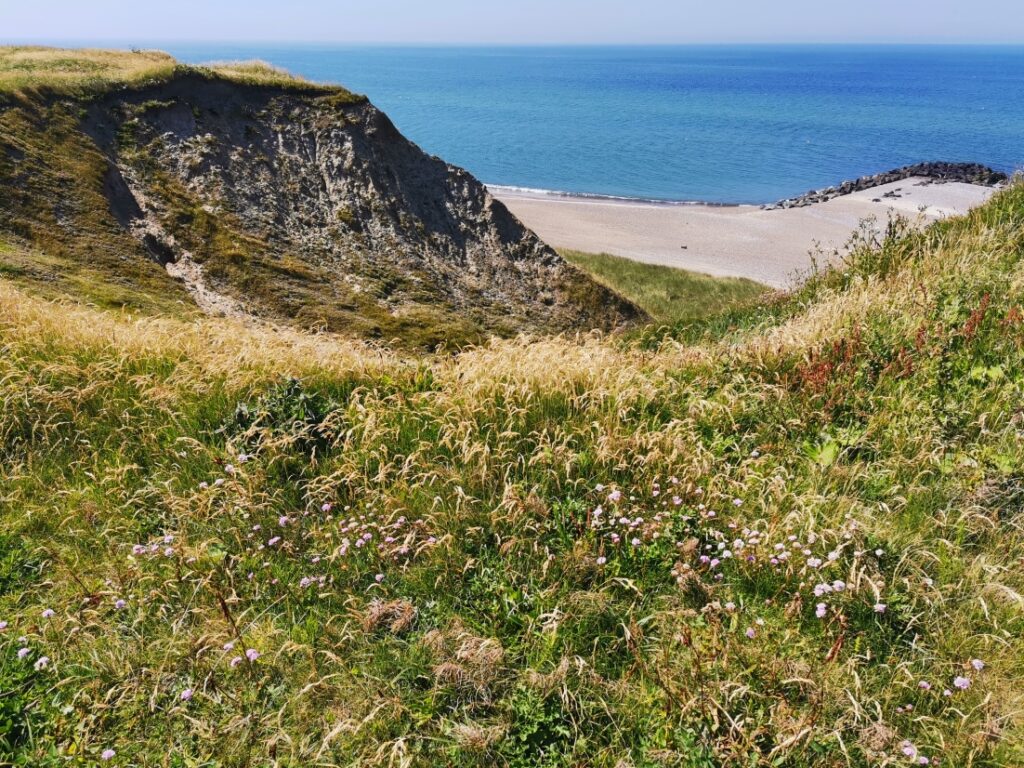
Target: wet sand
(770, 246)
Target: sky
(514, 21)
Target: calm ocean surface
(714, 123)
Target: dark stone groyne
(935, 173)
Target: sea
(717, 124)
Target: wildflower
(602, 560)
(961, 682)
(229, 469)
(730, 606)
(219, 482)
(236, 661)
(614, 496)
(252, 654)
(839, 586)
(23, 652)
(273, 542)
(42, 662)
(978, 664)
(879, 552)
(120, 604)
(108, 754)
(880, 607)
(908, 749)
(282, 520)
(3, 626)
(186, 695)
(138, 549)
(821, 610)
(947, 692)
(229, 645)
(924, 685)
(635, 542)
(737, 502)
(750, 633)
(169, 552)
(48, 613)
(242, 458)
(204, 485)
(379, 578)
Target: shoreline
(773, 245)
(554, 195)
(974, 174)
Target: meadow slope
(787, 537)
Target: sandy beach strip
(770, 246)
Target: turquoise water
(709, 123)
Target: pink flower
(186, 695)
(379, 578)
(252, 654)
(107, 754)
(821, 610)
(48, 613)
(602, 560)
(120, 604)
(978, 664)
(236, 661)
(880, 607)
(961, 682)
(3, 626)
(23, 652)
(924, 685)
(42, 662)
(750, 633)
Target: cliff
(275, 198)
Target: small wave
(595, 197)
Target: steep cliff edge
(284, 200)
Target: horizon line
(81, 42)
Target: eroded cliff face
(309, 205)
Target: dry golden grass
(78, 69)
(868, 426)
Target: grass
(74, 71)
(670, 296)
(85, 72)
(779, 546)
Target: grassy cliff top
(86, 71)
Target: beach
(771, 246)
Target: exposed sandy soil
(773, 247)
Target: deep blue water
(711, 123)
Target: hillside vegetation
(667, 294)
(797, 542)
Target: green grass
(670, 296)
(86, 72)
(869, 426)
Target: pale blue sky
(515, 21)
